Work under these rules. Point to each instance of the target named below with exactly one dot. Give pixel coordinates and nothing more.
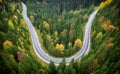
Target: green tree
(69, 69)
(52, 68)
(77, 66)
(62, 65)
(60, 71)
(29, 65)
(8, 63)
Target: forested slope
(61, 34)
(14, 39)
(15, 44)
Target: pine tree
(52, 68)
(69, 69)
(62, 65)
(60, 71)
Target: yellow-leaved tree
(46, 25)
(0, 0)
(103, 4)
(7, 44)
(69, 44)
(59, 47)
(99, 35)
(63, 33)
(22, 22)
(10, 24)
(15, 17)
(78, 44)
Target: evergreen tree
(69, 69)
(29, 64)
(60, 71)
(52, 68)
(62, 65)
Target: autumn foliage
(99, 35)
(46, 25)
(103, 4)
(107, 25)
(78, 44)
(59, 47)
(10, 24)
(7, 44)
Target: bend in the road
(46, 58)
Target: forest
(60, 25)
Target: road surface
(47, 58)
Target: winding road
(43, 55)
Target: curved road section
(43, 55)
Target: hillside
(61, 28)
(15, 40)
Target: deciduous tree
(46, 25)
(78, 44)
(99, 35)
(103, 4)
(59, 47)
(10, 24)
(7, 44)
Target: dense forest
(60, 25)
(62, 33)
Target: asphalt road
(43, 55)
